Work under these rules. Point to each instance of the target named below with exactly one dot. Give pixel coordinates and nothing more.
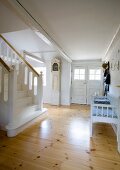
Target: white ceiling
(83, 28)
(27, 40)
(13, 28)
(9, 21)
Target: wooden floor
(61, 142)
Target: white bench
(104, 109)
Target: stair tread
(22, 90)
(32, 107)
(24, 98)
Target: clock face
(55, 67)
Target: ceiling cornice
(35, 25)
(113, 39)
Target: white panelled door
(94, 83)
(79, 87)
(86, 82)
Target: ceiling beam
(33, 56)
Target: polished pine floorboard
(61, 142)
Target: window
(43, 69)
(95, 74)
(35, 86)
(79, 74)
(26, 75)
(6, 87)
(30, 80)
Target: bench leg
(91, 122)
(91, 128)
(118, 137)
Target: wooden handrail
(20, 56)
(5, 65)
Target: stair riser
(19, 87)
(24, 102)
(21, 94)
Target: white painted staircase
(21, 91)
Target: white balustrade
(8, 55)
(35, 85)
(6, 87)
(22, 75)
(4, 83)
(4, 95)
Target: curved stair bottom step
(21, 123)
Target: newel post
(40, 92)
(12, 95)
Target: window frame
(79, 74)
(95, 74)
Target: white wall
(113, 56)
(48, 87)
(9, 19)
(65, 81)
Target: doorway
(86, 81)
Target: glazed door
(79, 87)
(86, 82)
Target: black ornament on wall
(55, 67)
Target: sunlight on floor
(61, 142)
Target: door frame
(82, 81)
(86, 63)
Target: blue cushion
(101, 100)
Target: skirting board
(114, 128)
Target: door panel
(94, 83)
(79, 85)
